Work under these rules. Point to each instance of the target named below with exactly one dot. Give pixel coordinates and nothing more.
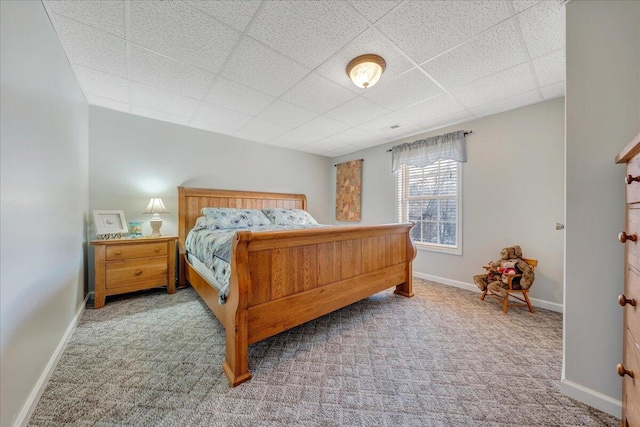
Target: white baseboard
(553, 306)
(592, 398)
(38, 389)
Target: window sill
(431, 248)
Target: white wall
(133, 158)
(512, 194)
(603, 115)
(44, 200)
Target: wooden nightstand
(127, 265)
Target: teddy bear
(496, 278)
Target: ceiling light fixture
(365, 70)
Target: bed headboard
(191, 200)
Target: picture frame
(110, 223)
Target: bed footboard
(281, 279)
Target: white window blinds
(430, 197)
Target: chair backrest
(532, 262)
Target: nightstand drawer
(133, 273)
(136, 251)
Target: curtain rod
(465, 134)
(362, 160)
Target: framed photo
(110, 223)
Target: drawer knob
(629, 179)
(623, 237)
(622, 371)
(157, 249)
(138, 272)
(118, 253)
(623, 300)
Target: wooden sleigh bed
(281, 279)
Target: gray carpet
(442, 358)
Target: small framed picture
(110, 223)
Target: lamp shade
(156, 207)
(365, 70)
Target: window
(431, 197)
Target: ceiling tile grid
(234, 96)
(307, 31)
(162, 72)
(286, 114)
(255, 65)
(374, 10)
(108, 103)
(92, 48)
(180, 31)
(161, 100)
(424, 29)
(496, 86)
(406, 89)
(490, 52)
(318, 94)
(543, 27)
(107, 16)
(274, 72)
(357, 111)
(235, 13)
(550, 67)
(221, 117)
(103, 85)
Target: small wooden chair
(510, 292)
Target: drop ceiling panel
(234, 96)
(182, 32)
(374, 9)
(357, 111)
(260, 68)
(460, 117)
(550, 68)
(383, 125)
(295, 138)
(307, 31)
(286, 114)
(162, 101)
(509, 103)
(159, 115)
(521, 5)
(108, 103)
(162, 72)
(107, 16)
(352, 136)
(91, 48)
(103, 84)
(371, 41)
(235, 13)
(406, 89)
(221, 117)
(427, 111)
(261, 130)
(543, 27)
(343, 150)
(495, 87)
(553, 91)
(211, 127)
(324, 126)
(494, 50)
(318, 94)
(424, 29)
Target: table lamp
(156, 207)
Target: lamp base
(155, 227)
